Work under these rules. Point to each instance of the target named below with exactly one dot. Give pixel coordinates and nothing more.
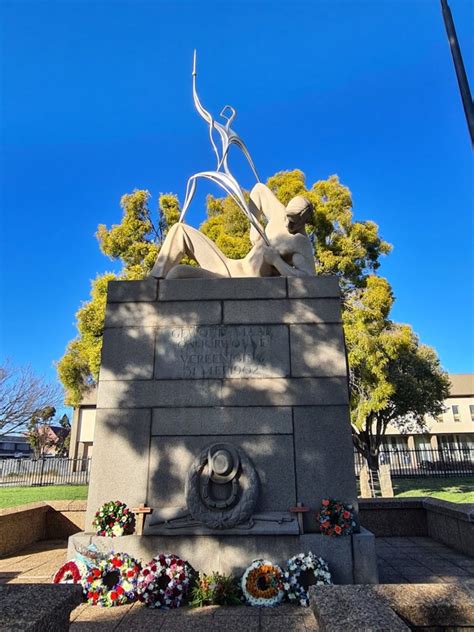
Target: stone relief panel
(222, 351)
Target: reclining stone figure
(289, 253)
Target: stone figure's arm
(301, 265)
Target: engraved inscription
(222, 351)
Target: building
(452, 431)
(15, 447)
(82, 428)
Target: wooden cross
(140, 513)
(299, 510)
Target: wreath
(336, 518)
(114, 519)
(113, 582)
(304, 570)
(164, 582)
(70, 573)
(262, 584)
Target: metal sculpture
(222, 176)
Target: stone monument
(223, 403)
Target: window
(6, 445)
(455, 410)
(471, 410)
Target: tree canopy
(393, 376)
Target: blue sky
(96, 101)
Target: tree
(39, 435)
(63, 437)
(135, 242)
(22, 394)
(394, 379)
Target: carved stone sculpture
(280, 247)
(222, 487)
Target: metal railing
(45, 471)
(442, 462)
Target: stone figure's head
(298, 212)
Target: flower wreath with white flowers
(304, 570)
(164, 582)
(262, 584)
(71, 572)
(114, 519)
(113, 582)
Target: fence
(442, 462)
(46, 471)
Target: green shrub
(215, 590)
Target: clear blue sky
(96, 101)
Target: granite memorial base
(351, 558)
(223, 405)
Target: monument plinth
(222, 404)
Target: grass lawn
(456, 489)
(13, 496)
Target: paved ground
(421, 561)
(401, 560)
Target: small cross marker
(140, 513)
(299, 510)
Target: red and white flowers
(164, 582)
(114, 519)
(70, 573)
(113, 582)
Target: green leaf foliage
(135, 242)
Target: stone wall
(53, 520)
(259, 363)
(449, 523)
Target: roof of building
(462, 384)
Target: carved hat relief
(222, 487)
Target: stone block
(430, 606)
(364, 557)
(130, 291)
(128, 353)
(120, 464)
(37, 607)
(285, 392)
(229, 554)
(385, 480)
(170, 461)
(222, 421)
(229, 392)
(364, 482)
(163, 314)
(152, 394)
(222, 351)
(324, 457)
(352, 609)
(20, 526)
(317, 351)
(321, 286)
(288, 311)
(221, 289)
(453, 528)
(387, 517)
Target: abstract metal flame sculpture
(222, 176)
